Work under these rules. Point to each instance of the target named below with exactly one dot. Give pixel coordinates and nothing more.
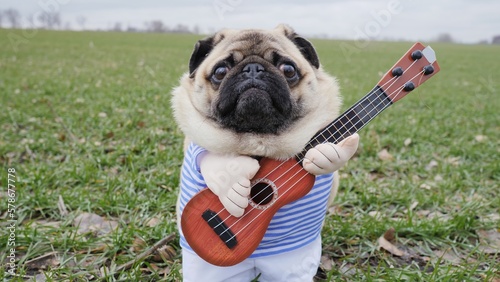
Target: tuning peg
(397, 71)
(409, 86)
(428, 69)
(417, 54)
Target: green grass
(86, 116)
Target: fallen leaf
(46, 261)
(42, 277)
(388, 246)
(152, 222)
(491, 217)
(432, 164)
(138, 245)
(425, 186)
(384, 155)
(438, 178)
(413, 205)
(165, 253)
(423, 213)
(490, 241)
(352, 241)
(152, 268)
(448, 255)
(333, 210)
(61, 137)
(455, 161)
(407, 142)
(109, 135)
(327, 263)
(480, 138)
(390, 234)
(373, 176)
(439, 216)
(375, 214)
(89, 222)
(141, 124)
(347, 269)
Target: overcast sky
(466, 21)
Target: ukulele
(224, 240)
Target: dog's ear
(305, 47)
(201, 50)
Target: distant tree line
(53, 20)
(159, 27)
(48, 20)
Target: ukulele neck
(416, 66)
(351, 121)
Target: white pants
(295, 266)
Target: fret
(347, 123)
(351, 121)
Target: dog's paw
(236, 199)
(328, 157)
(229, 178)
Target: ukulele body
(224, 240)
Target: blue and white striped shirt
(293, 226)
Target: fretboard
(351, 121)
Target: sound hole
(262, 193)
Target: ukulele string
(280, 195)
(393, 80)
(398, 90)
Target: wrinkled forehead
(245, 43)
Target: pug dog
(258, 93)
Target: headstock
(414, 68)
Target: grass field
(86, 122)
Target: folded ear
(201, 50)
(305, 47)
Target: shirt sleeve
(196, 152)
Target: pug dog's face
(255, 92)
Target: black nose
(253, 70)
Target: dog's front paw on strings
(328, 157)
(228, 177)
(236, 199)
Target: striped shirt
(293, 226)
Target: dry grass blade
(146, 253)
(62, 207)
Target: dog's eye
(288, 70)
(219, 74)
